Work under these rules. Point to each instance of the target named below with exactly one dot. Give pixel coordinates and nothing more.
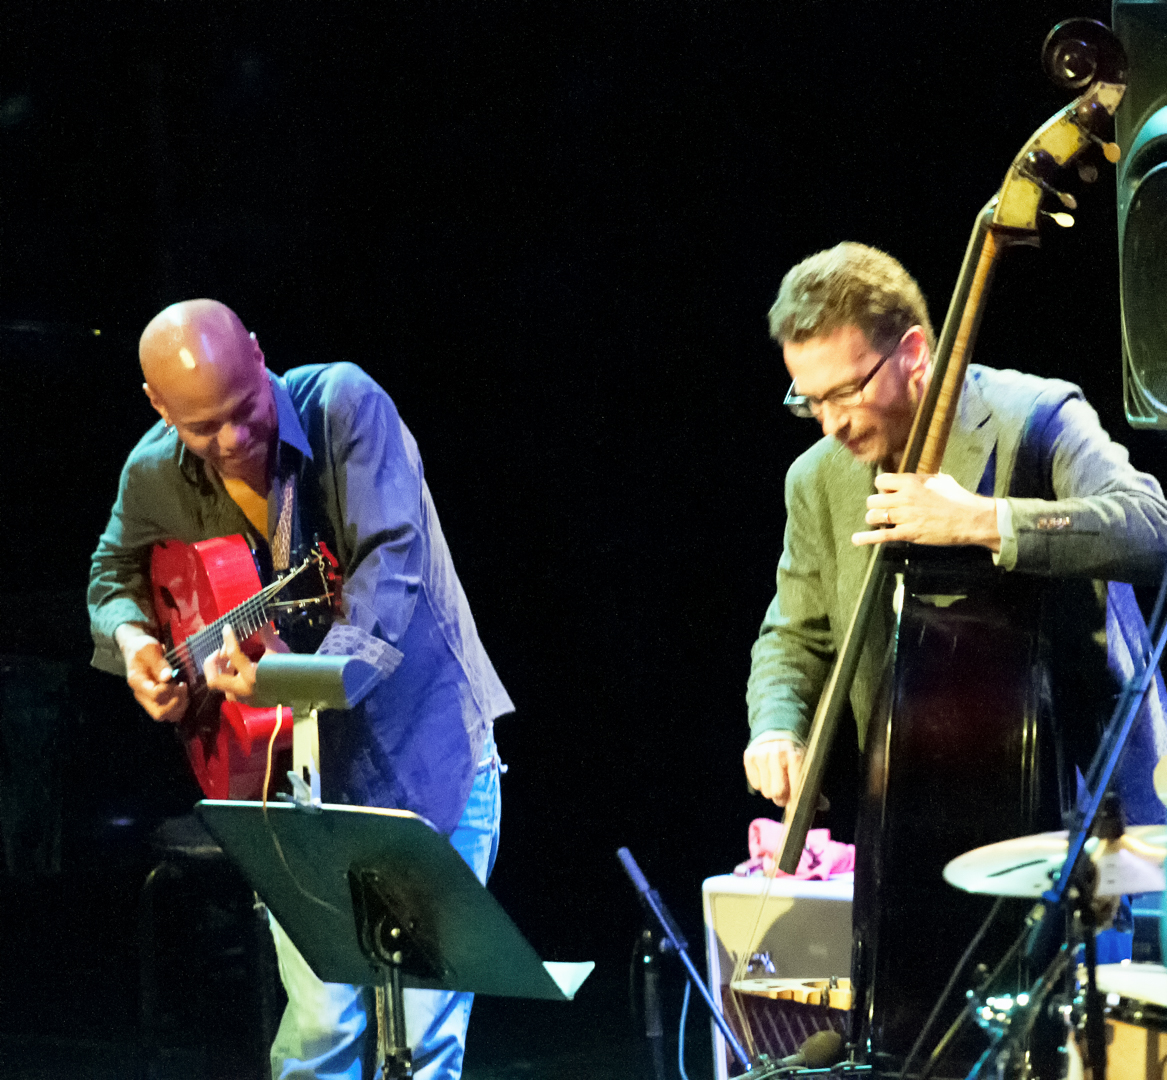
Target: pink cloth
(821, 857)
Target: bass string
(742, 962)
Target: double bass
(960, 750)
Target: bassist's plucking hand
(773, 767)
(155, 685)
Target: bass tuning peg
(1064, 197)
(1110, 150)
(1066, 221)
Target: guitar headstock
(329, 569)
(1079, 54)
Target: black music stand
(379, 897)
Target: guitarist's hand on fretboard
(155, 685)
(230, 670)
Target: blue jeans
(329, 1030)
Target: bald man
(318, 452)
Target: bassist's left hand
(928, 509)
(230, 671)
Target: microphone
(822, 1049)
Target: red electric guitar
(198, 589)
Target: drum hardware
(993, 1013)
(1114, 858)
(1135, 1017)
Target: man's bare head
(192, 348)
(206, 376)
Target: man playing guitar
(319, 452)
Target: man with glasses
(858, 343)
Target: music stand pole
(307, 684)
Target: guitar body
(192, 586)
(959, 754)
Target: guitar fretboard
(189, 656)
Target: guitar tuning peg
(1064, 220)
(1087, 173)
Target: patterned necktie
(281, 543)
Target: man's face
(876, 428)
(226, 414)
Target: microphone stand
(763, 1068)
(652, 902)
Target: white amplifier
(805, 931)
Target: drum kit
(1133, 996)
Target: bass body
(961, 752)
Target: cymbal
(1028, 865)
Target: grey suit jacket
(1079, 509)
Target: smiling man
(318, 452)
(1028, 474)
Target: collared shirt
(415, 742)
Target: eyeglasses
(845, 397)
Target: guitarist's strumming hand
(773, 768)
(230, 671)
(156, 687)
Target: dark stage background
(552, 232)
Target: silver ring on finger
(887, 517)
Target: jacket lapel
(973, 436)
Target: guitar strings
(248, 617)
(189, 656)
(194, 651)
